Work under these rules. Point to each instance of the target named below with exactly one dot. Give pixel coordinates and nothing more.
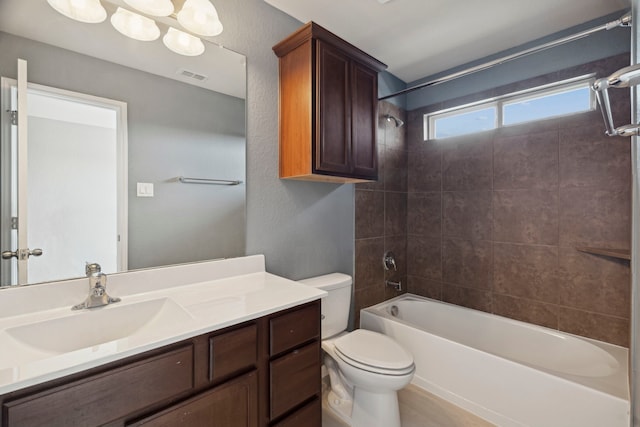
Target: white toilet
(365, 368)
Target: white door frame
(120, 109)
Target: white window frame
(430, 119)
(515, 97)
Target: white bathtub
(508, 372)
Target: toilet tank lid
(328, 281)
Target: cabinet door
(332, 148)
(233, 404)
(233, 352)
(106, 397)
(294, 328)
(294, 378)
(309, 415)
(364, 121)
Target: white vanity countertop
(176, 312)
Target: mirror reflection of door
(75, 198)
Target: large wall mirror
(128, 143)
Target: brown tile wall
(493, 218)
(381, 216)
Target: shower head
(394, 119)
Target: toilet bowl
(372, 368)
(366, 368)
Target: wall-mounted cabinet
(328, 108)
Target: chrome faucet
(98, 296)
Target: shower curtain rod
(623, 21)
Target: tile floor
(419, 408)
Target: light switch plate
(145, 189)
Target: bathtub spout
(395, 285)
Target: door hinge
(14, 222)
(13, 117)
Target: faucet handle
(389, 261)
(92, 268)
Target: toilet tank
(335, 306)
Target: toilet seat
(374, 352)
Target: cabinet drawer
(289, 330)
(106, 397)
(233, 352)
(310, 415)
(233, 404)
(294, 378)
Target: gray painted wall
(388, 84)
(303, 228)
(174, 129)
(597, 46)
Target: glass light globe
(88, 11)
(135, 26)
(183, 43)
(201, 17)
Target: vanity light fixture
(136, 26)
(152, 7)
(183, 43)
(196, 16)
(200, 17)
(88, 11)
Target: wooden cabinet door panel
(106, 397)
(294, 378)
(364, 84)
(333, 111)
(310, 415)
(294, 328)
(233, 352)
(233, 404)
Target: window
(554, 100)
(538, 107)
(467, 121)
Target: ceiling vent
(191, 75)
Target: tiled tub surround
(493, 219)
(508, 372)
(381, 216)
(212, 294)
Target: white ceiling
(36, 20)
(418, 38)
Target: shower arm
(623, 78)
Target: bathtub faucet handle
(389, 261)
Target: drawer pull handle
(290, 331)
(179, 362)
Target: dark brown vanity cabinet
(328, 108)
(294, 366)
(227, 378)
(232, 404)
(104, 397)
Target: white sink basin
(88, 328)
